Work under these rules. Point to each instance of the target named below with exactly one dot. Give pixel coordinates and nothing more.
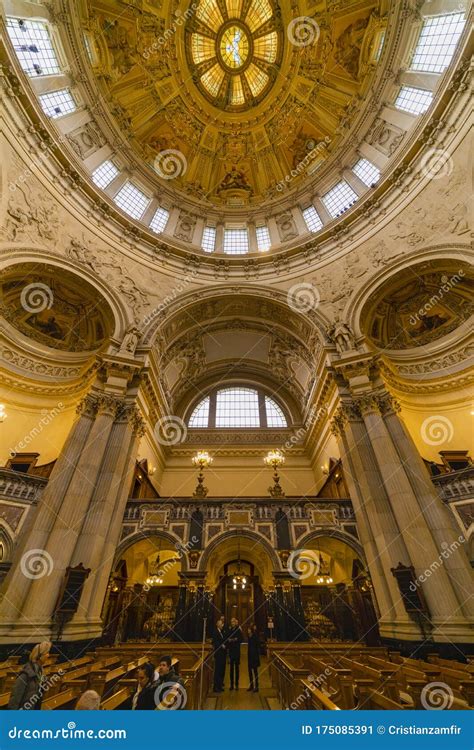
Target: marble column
(378, 530)
(400, 517)
(39, 605)
(30, 557)
(100, 534)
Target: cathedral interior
(236, 372)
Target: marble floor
(241, 700)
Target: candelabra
(202, 460)
(275, 459)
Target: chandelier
(239, 581)
(155, 577)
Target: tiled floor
(241, 700)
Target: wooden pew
(371, 698)
(317, 700)
(116, 699)
(62, 700)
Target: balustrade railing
(17, 486)
(457, 485)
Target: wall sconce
(3, 414)
(202, 460)
(275, 459)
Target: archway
(144, 589)
(336, 591)
(239, 566)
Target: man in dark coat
(220, 655)
(170, 692)
(253, 658)
(234, 639)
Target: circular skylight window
(234, 48)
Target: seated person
(143, 698)
(169, 687)
(89, 701)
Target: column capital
(88, 406)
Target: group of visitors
(157, 687)
(226, 641)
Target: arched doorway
(143, 591)
(239, 569)
(336, 590)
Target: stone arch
(172, 309)
(334, 533)
(6, 540)
(230, 536)
(449, 253)
(122, 315)
(139, 536)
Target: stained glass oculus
(234, 49)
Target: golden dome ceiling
(245, 91)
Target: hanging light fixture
(239, 581)
(324, 577)
(3, 414)
(156, 574)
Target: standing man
(220, 655)
(234, 639)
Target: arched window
(236, 407)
